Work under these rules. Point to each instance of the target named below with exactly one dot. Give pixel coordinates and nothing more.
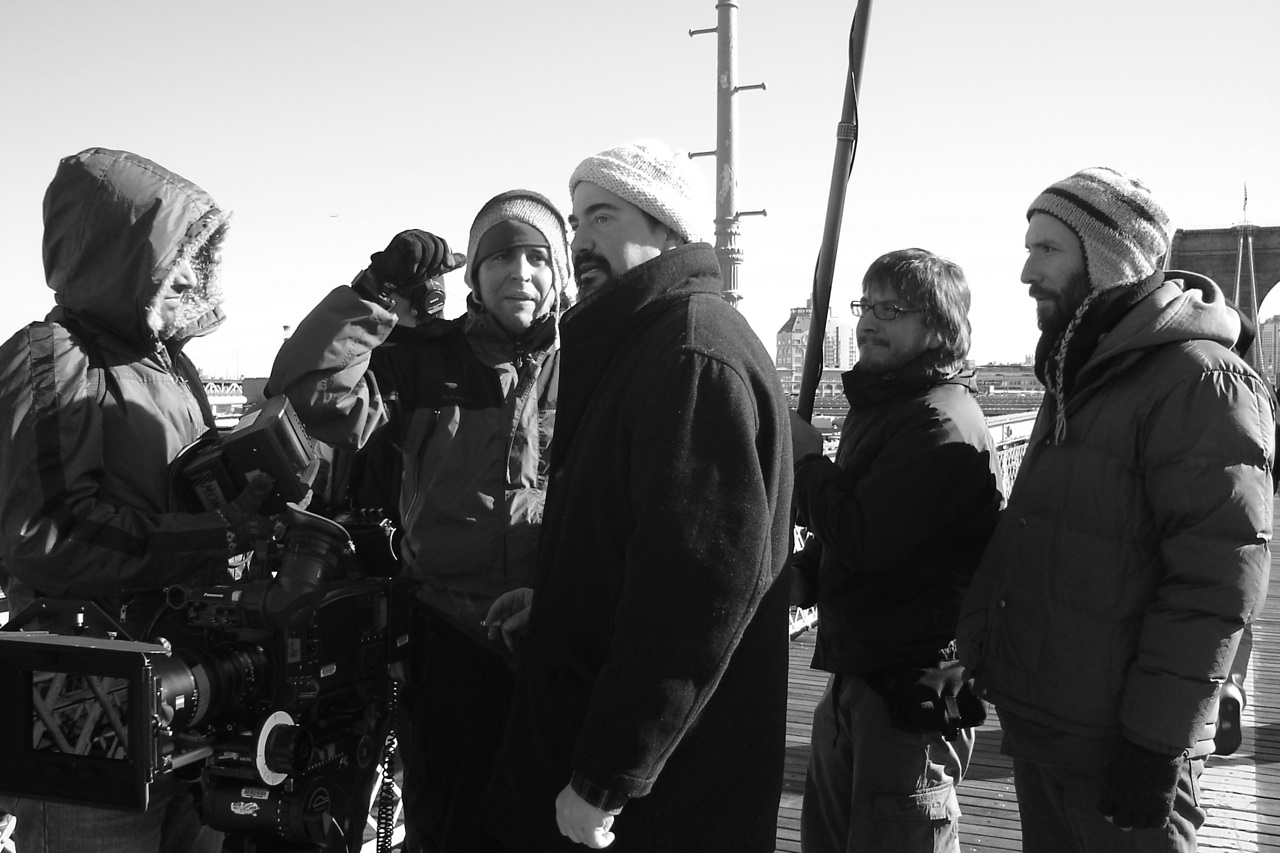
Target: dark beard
(601, 265)
(1066, 305)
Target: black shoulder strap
(108, 384)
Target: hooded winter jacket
(1120, 576)
(94, 406)
(473, 411)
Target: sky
(327, 127)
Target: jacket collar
(863, 389)
(599, 330)
(496, 344)
(691, 268)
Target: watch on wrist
(370, 287)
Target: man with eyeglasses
(897, 525)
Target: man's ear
(934, 340)
(671, 238)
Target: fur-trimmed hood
(115, 226)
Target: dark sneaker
(1227, 739)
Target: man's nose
(1029, 272)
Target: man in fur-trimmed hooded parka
(96, 401)
(1108, 606)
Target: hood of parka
(115, 227)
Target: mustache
(586, 258)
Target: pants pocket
(924, 822)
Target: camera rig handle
(311, 556)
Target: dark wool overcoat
(656, 661)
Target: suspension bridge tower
(1244, 260)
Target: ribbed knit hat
(663, 183)
(1124, 232)
(534, 210)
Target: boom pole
(846, 144)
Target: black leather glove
(1139, 787)
(411, 258)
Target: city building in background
(839, 353)
(1265, 346)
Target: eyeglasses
(886, 311)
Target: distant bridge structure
(1244, 260)
(223, 388)
(228, 400)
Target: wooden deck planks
(1241, 792)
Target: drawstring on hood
(1169, 306)
(1124, 235)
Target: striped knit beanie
(663, 183)
(532, 209)
(1124, 232)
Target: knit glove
(1139, 787)
(241, 517)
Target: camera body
(274, 689)
(270, 439)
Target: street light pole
(726, 183)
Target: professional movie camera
(275, 689)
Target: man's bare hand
(509, 616)
(581, 822)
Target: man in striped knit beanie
(1107, 608)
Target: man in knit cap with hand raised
(650, 703)
(1105, 613)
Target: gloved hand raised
(412, 257)
(1139, 788)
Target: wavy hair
(934, 284)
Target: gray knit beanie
(534, 210)
(663, 183)
(1124, 232)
